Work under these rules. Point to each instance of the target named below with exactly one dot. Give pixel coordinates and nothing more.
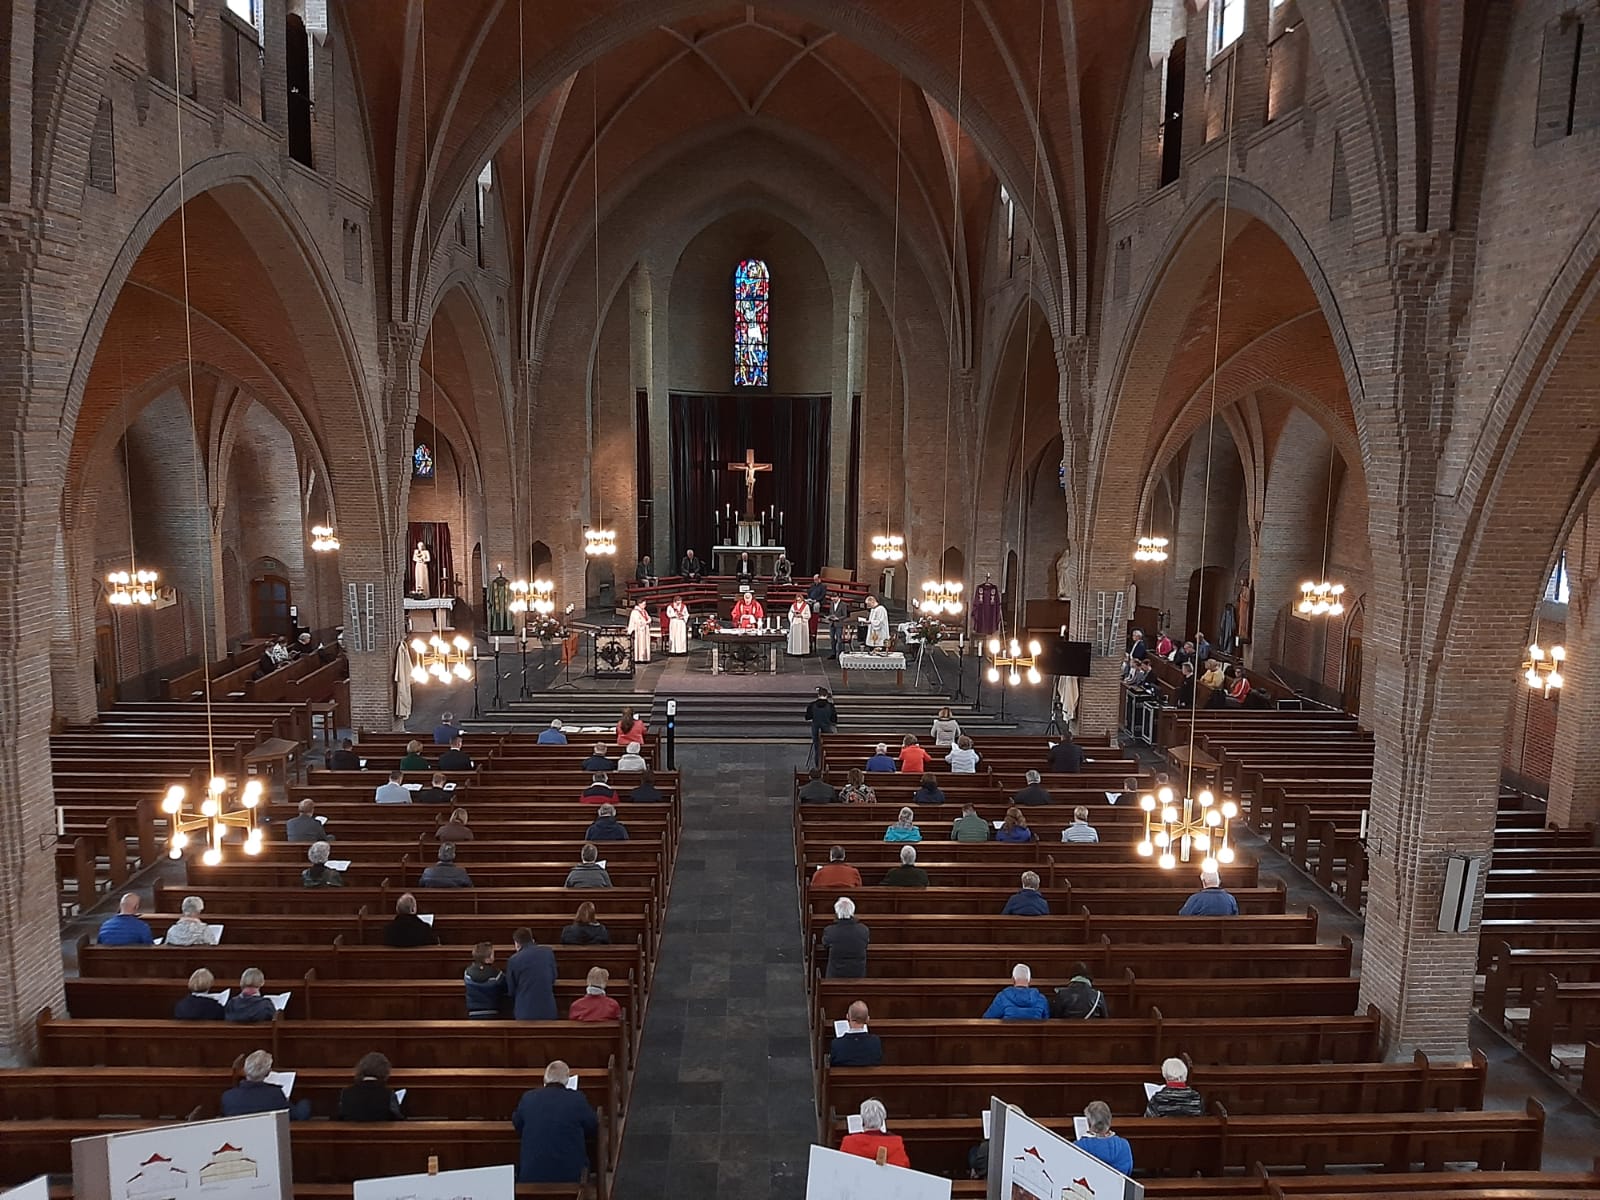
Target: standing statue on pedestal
(986, 607)
(420, 558)
(1063, 577)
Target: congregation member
(554, 1123)
(594, 1004)
(835, 875)
(963, 759)
(125, 927)
(319, 874)
(248, 1005)
(645, 572)
(907, 874)
(631, 759)
(437, 791)
(646, 791)
(945, 730)
(691, 568)
(455, 758)
(589, 873)
(928, 790)
(1033, 792)
(1239, 688)
(1065, 757)
(879, 760)
(599, 790)
(1175, 1098)
(846, 942)
(629, 728)
(1164, 644)
(531, 978)
(1184, 655)
(408, 929)
(1080, 1000)
(838, 615)
(856, 1047)
(1212, 676)
(1202, 647)
(345, 757)
(254, 1094)
(413, 759)
(455, 829)
(597, 760)
(856, 789)
(1183, 694)
(189, 929)
(817, 790)
(823, 717)
(1028, 901)
(586, 929)
(198, 1004)
(1138, 651)
(606, 827)
(1108, 1147)
(446, 872)
(485, 984)
(904, 828)
(304, 826)
(914, 759)
(446, 731)
(393, 792)
(1211, 900)
(1080, 832)
(969, 826)
(873, 1137)
(1014, 828)
(1019, 1002)
(552, 736)
(370, 1098)
(783, 570)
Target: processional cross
(750, 467)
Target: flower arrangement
(545, 626)
(926, 629)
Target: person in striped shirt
(1080, 831)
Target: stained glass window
(752, 287)
(422, 461)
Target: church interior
(1180, 415)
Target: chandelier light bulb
(323, 539)
(600, 543)
(212, 857)
(1151, 550)
(994, 675)
(1146, 850)
(1168, 861)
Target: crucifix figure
(750, 467)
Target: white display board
(235, 1157)
(1029, 1162)
(34, 1189)
(836, 1176)
(477, 1183)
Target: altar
(725, 559)
(428, 615)
(741, 649)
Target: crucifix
(750, 467)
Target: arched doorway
(269, 606)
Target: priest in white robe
(877, 626)
(799, 626)
(639, 627)
(677, 626)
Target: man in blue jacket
(127, 928)
(1021, 1001)
(856, 1047)
(1210, 900)
(1028, 902)
(531, 981)
(555, 1123)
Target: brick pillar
(1100, 698)
(31, 383)
(1574, 770)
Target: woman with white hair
(319, 873)
(904, 829)
(189, 929)
(846, 942)
(875, 1136)
(1177, 1098)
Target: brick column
(1574, 770)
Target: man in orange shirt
(838, 875)
(594, 1004)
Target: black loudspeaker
(1058, 656)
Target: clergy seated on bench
(588, 873)
(907, 874)
(606, 827)
(586, 929)
(253, 1094)
(817, 790)
(370, 1098)
(855, 1047)
(199, 1004)
(555, 1124)
(1176, 1098)
(446, 873)
(594, 1004)
(126, 927)
(872, 1137)
(248, 1005)
(836, 875)
(1019, 1002)
(1211, 900)
(1028, 901)
(319, 874)
(408, 929)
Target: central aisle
(722, 1105)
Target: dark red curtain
(435, 535)
(791, 432)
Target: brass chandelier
(215, 817)
(1199, 823)
(437, 659)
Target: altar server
(677, 626)
(639, 627)
(800, 626)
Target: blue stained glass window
(422, 461)
(752, 286)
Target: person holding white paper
(1175, 1098)
(408, 929)
(590, 871)
(304, 826)
(189, 929)
(199, 1004)
(874, 1135)
(256, 1094)
(1100, 1142)
(319, 874)
(369, 1098)
(556, 1123)
(856, 1047)
(249, 1004)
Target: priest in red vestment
(747, 612)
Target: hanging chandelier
(323, 539)
(888, 547)
(437, 659)
(519, 596)
(598, 543)
(1151, 550)
(1321, 599)
(1541, 670)
(137, 587)
(544, 597)
(1201, 824)
(1016, 663)
(215, 817)
(941, 597)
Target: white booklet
(572, 1082)
(284, 1079)
(1150, 1089)
(1113, 797)
(840, 1028)
(220, 997)
(213, 935)
(425, 918)
(852, 1124)
(280, 1001)
(338, 864)
(1080, 1127)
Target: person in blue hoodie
(1028, 902)
(1021, 1001)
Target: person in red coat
(594, 1004)
(874, 1137)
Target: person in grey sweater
(588, 873)
(445, 873)
(304, 826)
